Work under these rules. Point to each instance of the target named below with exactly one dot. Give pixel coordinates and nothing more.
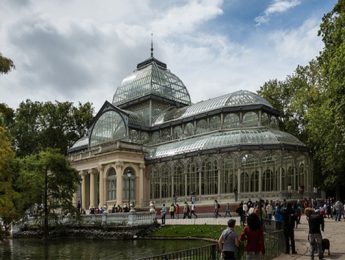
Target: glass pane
(110, 126)
(231, 121)
(250, 119)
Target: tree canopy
(59, 125)
(5, 64)
(312, 101)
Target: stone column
(141, 185)
(119, 182)
(239, 180)
(83, 189)
(260, 180)
(280, 178)
(101, 185)
(92, 189)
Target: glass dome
(234, 138)
(237, 98)
(151, 78)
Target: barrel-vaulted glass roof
(151, 78)
(234, 138)
(237, 98)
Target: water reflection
(90, 249)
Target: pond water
(91, 249)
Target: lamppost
(129, 175)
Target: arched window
(254, 182)
(189, 129)
(301, 175)
(265, 119)
(274, 122)
(267, 180)
(284, 180)
(155, 184)
(201, 126)
(228, 176)
(178, 133)
(166, 134)
(109, 126)
(179, 180)
(155, 137)
(244, 182)
(111, 184)
(215, 123)
(166, 182)
(129, 184)
(193, 179)
(210, 177)
(231, 121)
(250, 119)
(291, 176)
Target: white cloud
(277, 6)
(184, 19)
(80, 51)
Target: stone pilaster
(83, 190)
(119, 182)
(92, 189)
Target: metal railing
(274, 246)
(110, 219)
(208, 252)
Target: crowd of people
(286, 216)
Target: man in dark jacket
(289, 219)
(316, 224)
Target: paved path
(334, 231)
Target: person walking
(172, 211)
(289, 220)
(316, 224)
(216, 209)
(227, 211)
(163, 214)
(192, 210)
(185, 210)
(339, 207)
(228, 241)
(236, 194)
(254, 235)
(278, 216)
(241, 214)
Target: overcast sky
(80, 50)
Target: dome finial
(151, 45)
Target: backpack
(218, 206)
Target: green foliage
(62, 182)
(5, 64)
(6, 116)
(312, 101)
(7, 193)
(39, 126)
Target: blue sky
(80, 50)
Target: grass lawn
(202, 231)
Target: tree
(6, 116)
(332, 123)
(8, 195)
(5, 64)
(39, 126)
(62, 182)
(293, 97)
(313, 102)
